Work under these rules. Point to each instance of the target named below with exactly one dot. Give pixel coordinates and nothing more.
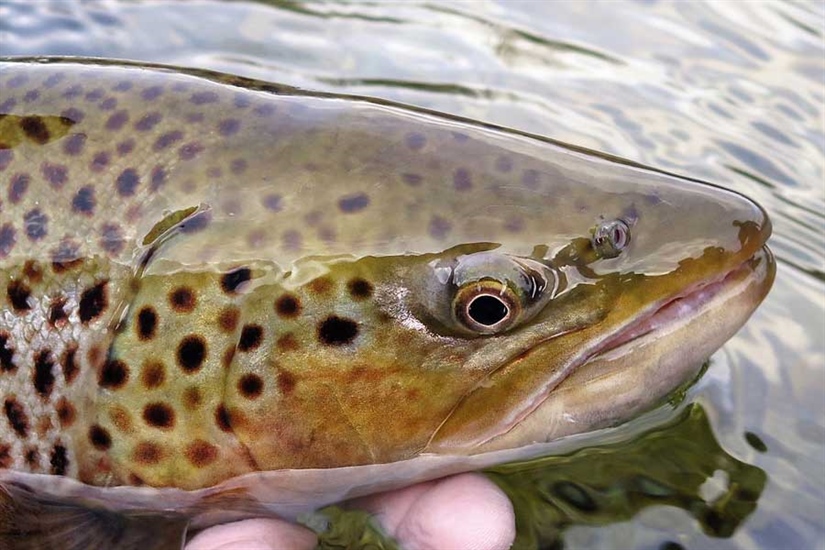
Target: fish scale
(224, 298)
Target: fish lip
(702, 293)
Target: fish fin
(32, 522)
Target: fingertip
(464, 511)
(254, 534)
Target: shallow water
(732, 92)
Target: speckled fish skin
(203, 277)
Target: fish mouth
(630, 369)
(686, 303)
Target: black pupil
(487, 310)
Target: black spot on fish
(43, 373)
(55, 174)
(31, 458)
(191, 353)
(416, 141)
(167, 139)
(6, 460)
(18, 294)
(337, 331)
(222, 419)
(57, 312)
(462, 180)
(288, 306)
(117, 120)
(147, 122)
(147, 323)
(151, 93)
(182, 299)
(353, 203)
(93, 302)
(18, 186)
(232, 280)
(69, 364)
(73, 145)
(228, 127)
(35, 129)
(359, 289)
(17, 417)
(100, 161)
(65, 412)
(6, 353)
(100, 438)
(127, 182)
(159, 415)
(7, 239)
(36, 224)
(202, 98)
(250, 386)
(113, 375)
(84, 200)
(111, 238)
(251, 337)
(59, 460)
(190, 150)
(153, 374)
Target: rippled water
(729, 91)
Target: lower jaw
(645, 362)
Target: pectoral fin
(32, 522)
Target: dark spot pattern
(151, 93)
(167, 139)
(43, 373)
(353, 203)
(462, 180)
(7, 239)
(320, 285)
(200, 453)
(31, 458)
(439, 227)
(251, 336)
(111, 239)
(36, 224)
(127, 182)
(73, 114)
(272, 202)
(157, 179)
(411, 179)
(18, 294)
(286, 382)
(147, 122)
(59, 460)
(222, 419)
(159, 415)
(17, 417)
(69, 364)
(287, 342)
(6, 354)
(18, 186)
(192, 398)
(288, 306)
(337, 331)
(190, 150)
(147, 453)
(117, 120)
(182, 299)
(153, 374)
(100, 161)
(229, 127)
(84, 201)
(35, 129)
(228, 356)
(191, 353)
(228, 319)
(359, 289)
(55, 174)
(125, 147)
(57, 312)
(93, 302)
(202, 98)
(6, 460)
(250, 386)
(147, 323)
(416, 141)
(238, 166)
(113, 375)
(530, 178)
(235, 278)
(65, 412)
(100, 437)
(73, 145)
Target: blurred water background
(731, 91)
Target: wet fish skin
(203, 278)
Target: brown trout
(224, 298)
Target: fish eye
(610, 238)
(486, 306)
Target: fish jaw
(654, 339)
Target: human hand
(463, 511)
